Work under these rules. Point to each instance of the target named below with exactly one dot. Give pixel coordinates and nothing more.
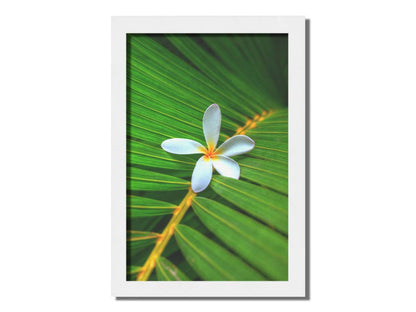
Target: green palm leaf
(273, 175)
(236, 229)
(210, 260)
(139, 206)
(140, 239)
(144, 180)
(260, 246)
(166, 271)
(266, 205)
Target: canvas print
(207, 157)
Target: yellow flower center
(209, 153)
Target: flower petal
(182, 146)
(226, 167)
(211, 124)
(202, 174)
(236, 145)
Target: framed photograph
(208, 156)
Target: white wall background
(55, 153)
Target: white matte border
(295, 28)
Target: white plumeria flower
(219, 158)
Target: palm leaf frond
(236, 229)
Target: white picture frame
(295, 28)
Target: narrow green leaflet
(166, 117)
(133, 269)
(270, 174)
(274, 168)
(151, 156)
(270, 155)
(158, 127)
(139, 158)
(275, 126)
(166, 271)
(140, 239)
(271, 144)
(144, 207)
(270, 207)
(270, 136)
(211, 261)
(259, 245)
(143, 180)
